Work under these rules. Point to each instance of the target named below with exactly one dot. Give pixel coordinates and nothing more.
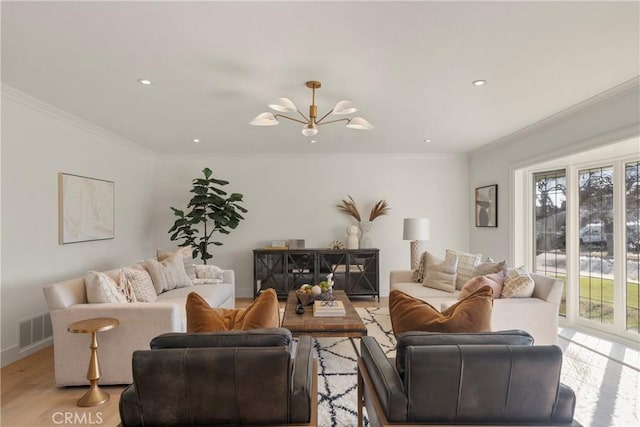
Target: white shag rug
(606, 391)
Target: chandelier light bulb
(310, 130)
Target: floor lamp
(416, 230)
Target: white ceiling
(407, 65)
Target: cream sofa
(139, 323)
(537, 315)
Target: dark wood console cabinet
(355, 271)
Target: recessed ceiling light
(427, 140)
(144, 81)
(313, 141)
(479, 82)
(196, 141)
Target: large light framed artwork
(86, 209)
(487, 206)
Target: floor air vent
(32, 331)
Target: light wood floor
(30, 397)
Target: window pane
(632, 235)
(596, 244)
(550, 227)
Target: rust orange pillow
(264, 312)
(471, 314)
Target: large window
(550, 226)
(584, 217)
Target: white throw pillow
(168, 274)
(518, 284)
(102, 288)
(187, 258)
(467, 264)
(210, 272)
(441, 274)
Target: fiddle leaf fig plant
(210, 210)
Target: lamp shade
(344, 107)
(415, 229)
(359, 123)
(283, 105)
(264, 119)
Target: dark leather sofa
(257, 377)
(496, 378)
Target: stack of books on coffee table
(326, 310)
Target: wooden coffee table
(350, 325)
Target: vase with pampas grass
(348, 206)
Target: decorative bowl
(305, 298)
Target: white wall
(294, 197)
(608, 118)
(37, 143)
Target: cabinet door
(363, 273)
(333, 262)
(300, 269)
(269, 272)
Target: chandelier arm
(290, 118)
(307, 121)
(334, 121)
(325, 116)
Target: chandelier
(311, 123)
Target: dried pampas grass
(349, 207)
(379, 209)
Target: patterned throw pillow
(490, 267)
(418, 275)
(467, 264)
(495, 281)
(187, 258)
(518, 284)
(102, 288)
(472, 314)
(140, 282)
(127, 290)
(441, 274)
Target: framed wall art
(487, 206)
(86, 209)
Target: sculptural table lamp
(416, 230)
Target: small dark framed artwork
(487, 206)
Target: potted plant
(211, 210)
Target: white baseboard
(13, 353)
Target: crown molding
(13, 94)
(617, 91)
(253, 155)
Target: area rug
(337, 372)
(606, 390)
